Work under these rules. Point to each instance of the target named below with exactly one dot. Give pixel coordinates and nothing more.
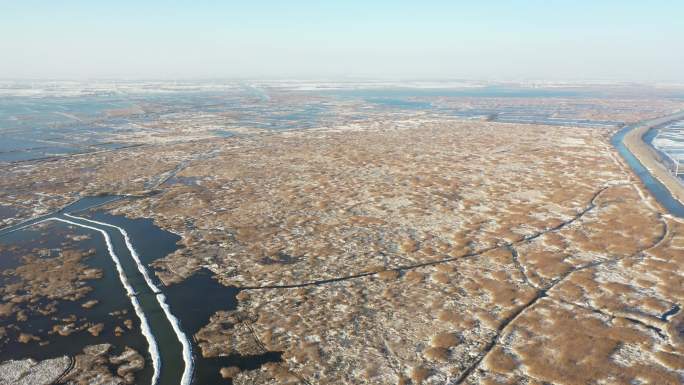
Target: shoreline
(648, 156)
(186, 377)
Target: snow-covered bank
(144, 325)
(175, 323)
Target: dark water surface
(107, 290)
(151, 243)
(7, 212)
(82, 204)
(192, 301)
(39, 127)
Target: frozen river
(669, 140)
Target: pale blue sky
(501, 40)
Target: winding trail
(185, 351)
(590, 206)
(65, 372)
(664, 199)
(544, 293)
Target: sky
(641, 41)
